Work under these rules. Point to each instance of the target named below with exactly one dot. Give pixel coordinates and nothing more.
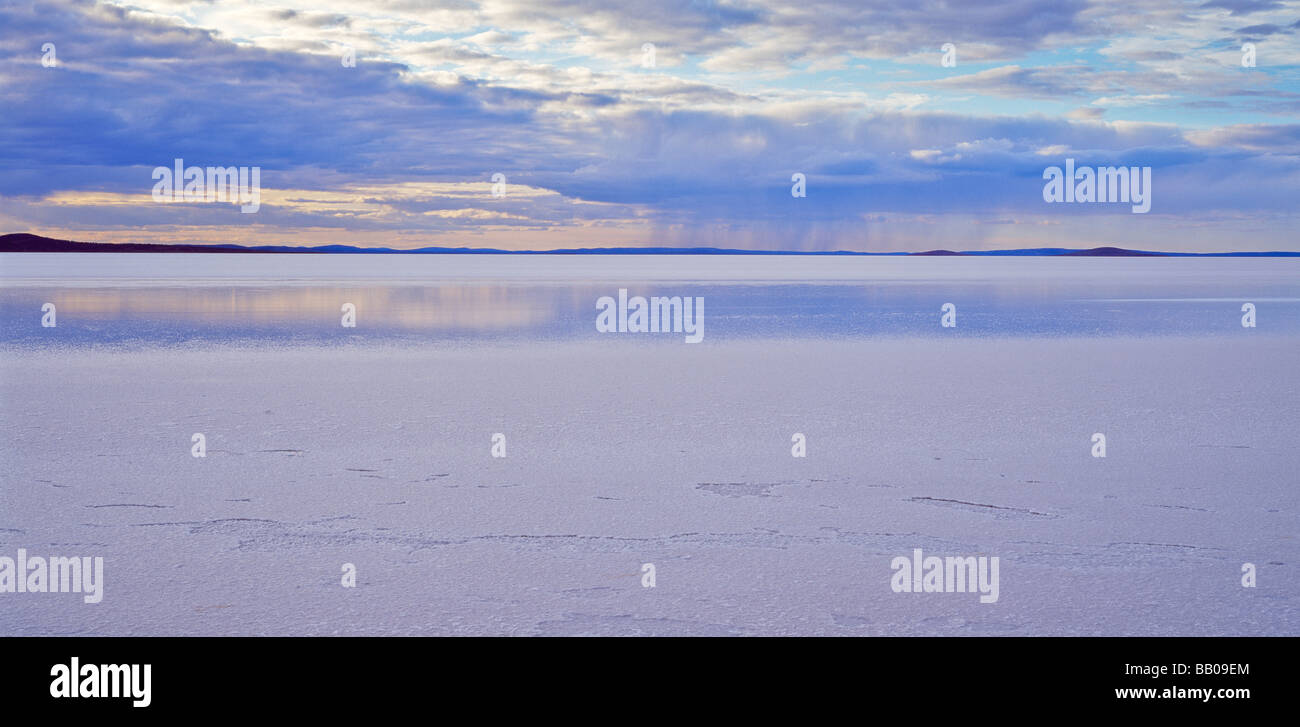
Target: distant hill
(25, 242)
(1094, 252)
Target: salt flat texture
(623, 452)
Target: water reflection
(1007, 300)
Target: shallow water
(168, 299)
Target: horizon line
(34, 243)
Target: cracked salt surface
(903, 454)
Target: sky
(654, 123)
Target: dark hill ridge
(1110, 252)
(26, 242)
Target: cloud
(1244, 7)
(1138, 100)
(1276, 139)
(1017, 82)
(698, 149)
